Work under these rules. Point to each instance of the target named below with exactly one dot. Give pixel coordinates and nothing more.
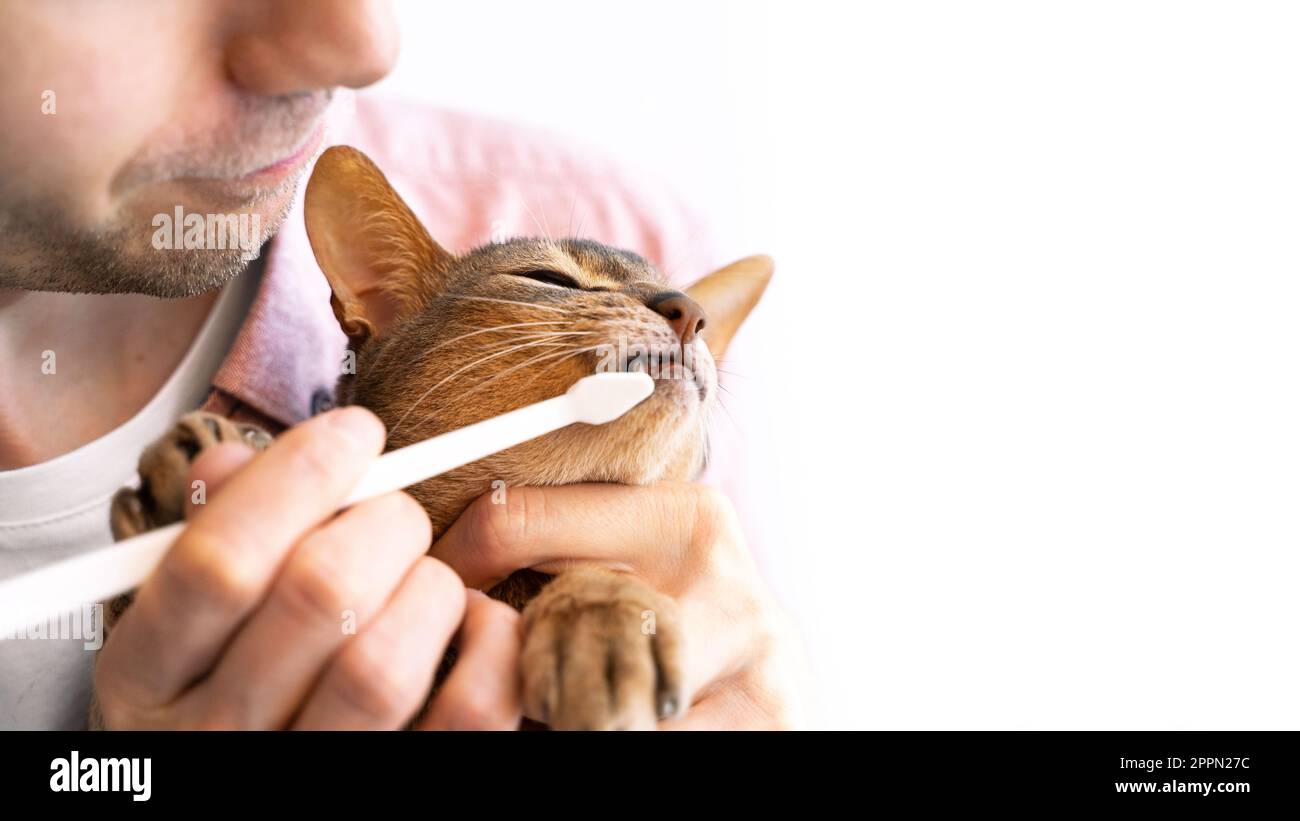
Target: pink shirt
(470, 180)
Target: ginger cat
(442, 341)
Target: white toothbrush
(102, 574)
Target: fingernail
(359, 425)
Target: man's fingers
(742, 702)
(225, 559)
(483, 690)
(650, 530)
(331, 587)
(380, 677)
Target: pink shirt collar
(286, 358)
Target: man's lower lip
(281, 168)
(240, 192)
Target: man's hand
(249, 620)
(742, 657)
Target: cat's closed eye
(550, 278)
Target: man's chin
(195, 235)
(175, 239)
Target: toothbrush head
(603, 397)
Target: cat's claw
(164, 471)
(602, 651)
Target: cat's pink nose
(683, 313)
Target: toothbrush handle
(108, 572)
(432, 457)
(98, 576)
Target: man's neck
(76, 366)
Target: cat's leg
(160, 499)
(602, 650)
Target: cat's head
(444, 340)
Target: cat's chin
(682, 388)
(662, 438)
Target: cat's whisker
(722, 366)
(536, 222)
(730, 417)
(484, 359)
(534, 361)
(519, 336)
(511, 346)
(498, 328)
(519, 325)
(569, 344)
(456, 373)
(538, 337)
(546, 223)
(524, 201)
(721, 404)
(568, 229)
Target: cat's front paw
(601, 651)
(164, 469)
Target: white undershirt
(60, 508)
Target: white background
(1031, 352)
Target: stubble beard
(41, 251)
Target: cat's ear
(380, 262)
(727, 296)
